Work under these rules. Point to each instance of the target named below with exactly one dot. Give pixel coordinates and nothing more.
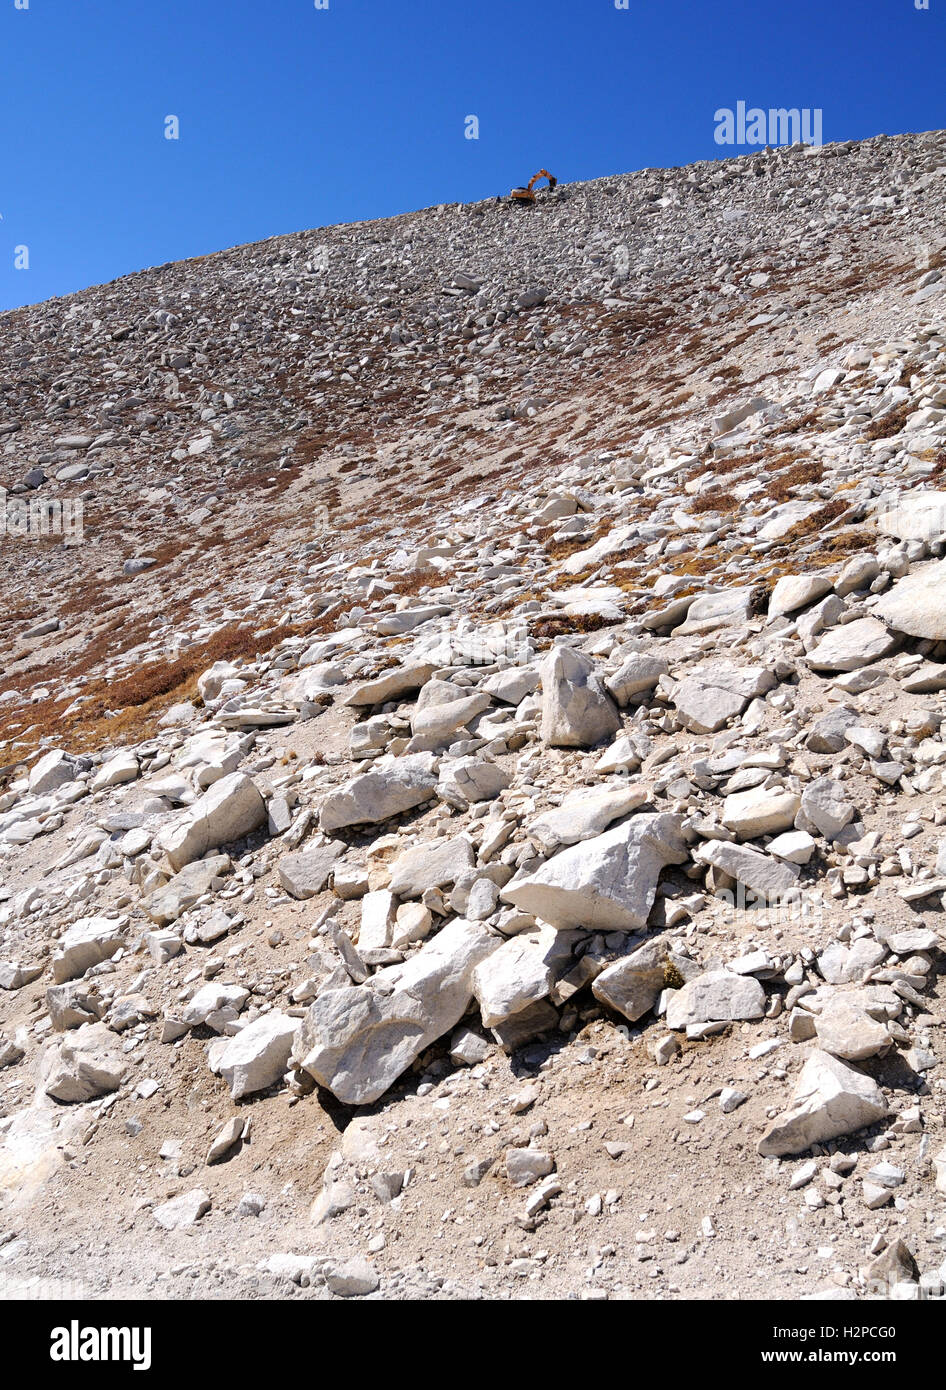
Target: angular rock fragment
(181, 892)
(633, 984)
(718, 996)
(466, 780)
(230, 810)
(433, 864)
(14, 975)
(356, 1042)
(518, 973)
(760, 811)
(768, 879)
(306, 874)
(402, 680)
(852, 645)
(258, 1055)
(86, 1063)
(712, 695)
(607, 883)
(577, 711)
(185, 1210)
(584, 814)
(714, 611)
(845, 1028)
(638, 673)
(830, 1099)
(916, 604)
(381, 793)
(87, 942)
(52, 770)
(825, 808)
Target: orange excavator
(525, 197)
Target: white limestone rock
(87, 942)
(718, 996)
(852, 645)
(713, 694)
(381, 793)
(518, 973)
(831, 1099)
(577, 711)
(795, 591)
(916, 604)
(585, 813)
(356, 1042)
(760, 811)
(258, 1055)
(770, 880)
(230, 810)
(183, 1211)
(86, 1063)
(432, 864)
(607, 883)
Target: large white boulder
(850, 646)
(586, 813)
(433, 864)
(760, 811)
(258, 1055)
(381, 793)
(435, 725)
(87, 1062)
(356, 1042)
(229, 810)
(914, 516)
(122, 767)
(831, 1099)
(402, 680)
(718, 996)
(53, 770)
(712, 611)
(715, 693)
(917, 603)
(577, 711)
(770, 880)
(518, 973)
(637, 673)
(87, 942)
(607, 883)
(795, 591)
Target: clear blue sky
(294, 117)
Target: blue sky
(292, 116)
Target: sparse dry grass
(126, 709)
(889, 424)
(811, 525)
(803, 472)
(544, 629)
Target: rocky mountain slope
(472, 719)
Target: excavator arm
(525, 196)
